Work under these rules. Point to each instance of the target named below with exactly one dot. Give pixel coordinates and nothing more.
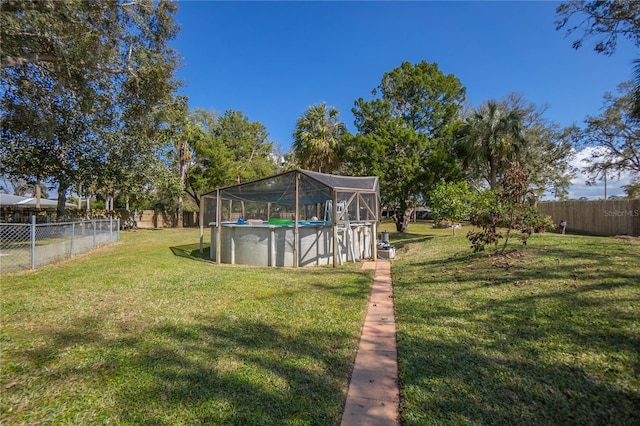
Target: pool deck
(373, 395)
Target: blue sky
(272, 60)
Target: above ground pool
(272, 243)
(273, 220)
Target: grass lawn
(144, 332)
(549, 334)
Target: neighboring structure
(7, 200)
(294, 218)
(18, 209)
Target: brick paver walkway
(373, 396)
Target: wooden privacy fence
(600, 217)
(152, 219)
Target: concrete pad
(381, 318)
(369, 412)
(381, 309)
(384, 344)
(379, 384)
(380, 312)
(373, 395)
(379, 286)
(380, 295)
(376, 306)
(385, 271)
(373, 329)
(387, 360)
(386, 302)
(367, 266)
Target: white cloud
(579, 188)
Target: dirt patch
(505, 261)
(628, 238)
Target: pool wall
(271, 245)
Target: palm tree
(317, 138)
(489, 139)
(189, 134)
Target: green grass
(146, 331)
(549, 334)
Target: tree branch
(12, 6)
(16, 61)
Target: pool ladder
(343, 229)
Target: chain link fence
(29, 246)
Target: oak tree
(404, 135)
(85, 85)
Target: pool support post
(334, 220)
(296, 229)
(219, 229)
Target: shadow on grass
(459, 383)
(567, 264)
(500, 372)
(547, 339)
(218, 369)
(191, 251)
(533, 359)
(186, 349)
(400, 240)
(254, 374)
(314, 275)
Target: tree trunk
(493, 174)
(180, 223)
(192, 193)
(62, 200)
(38, 193)
(182, 164)
(403, 218)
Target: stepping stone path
(373, 396)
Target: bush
(513, 207)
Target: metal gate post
(73, 237)
(32, 229)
